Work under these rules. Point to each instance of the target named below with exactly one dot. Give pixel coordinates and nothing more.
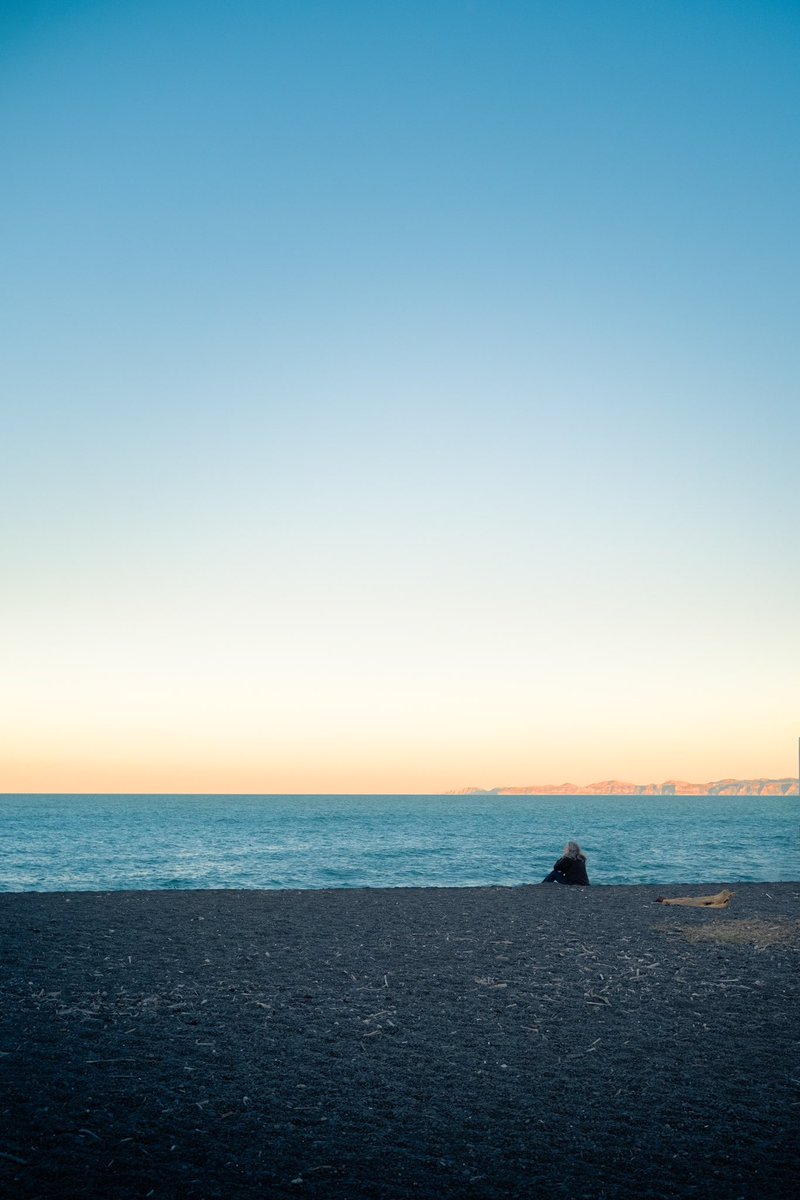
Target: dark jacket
(574, 869)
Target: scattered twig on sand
(588, 1050)
(23, 1162)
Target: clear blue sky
(398, 396)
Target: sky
(398, 397)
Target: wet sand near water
(386, 1043)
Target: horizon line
(529, 789)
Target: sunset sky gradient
(398, 396)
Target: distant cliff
(671, 787)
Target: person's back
(570, 868)
(574, 869)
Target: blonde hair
(573, 850)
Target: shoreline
(680, 888)
(471, 1042)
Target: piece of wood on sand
(720, 900)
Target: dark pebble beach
(453, 1042)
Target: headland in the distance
(671, 787)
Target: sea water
(93, 842)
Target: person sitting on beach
(570, 868)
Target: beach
(384, 1043)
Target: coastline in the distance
(671, 787)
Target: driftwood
(720, 900)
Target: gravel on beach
(386, 1043)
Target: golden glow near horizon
(367, 437)
(424, 695)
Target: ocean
(116, 842)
